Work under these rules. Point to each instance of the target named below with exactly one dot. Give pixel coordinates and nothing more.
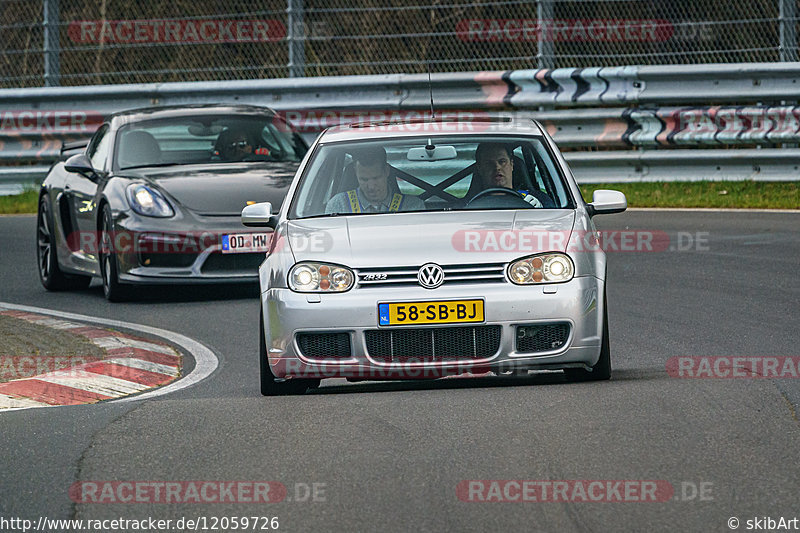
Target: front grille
(541, 337)
(167, 250)
(427, 345)
(324, 345)
(404, 276)
(167, 260)
(218, 262)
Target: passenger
(494, 168)
(374, 193)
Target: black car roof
(157, 112)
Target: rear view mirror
(605, 201)
(205, 130)
(432, 153)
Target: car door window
(279, 141)
(98, 149)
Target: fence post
(52, 64)
(788, 20)
(296, 39)
(544, 12)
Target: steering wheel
(275, 152)
(493, 190)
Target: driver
(236, 145)
(373, 194)
(494, 168)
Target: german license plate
(241, 243)
(449, 312)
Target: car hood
(223, 189)
(413, 239)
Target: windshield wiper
(323, 215)
(431, 210)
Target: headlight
(320, 277)
(148, 201)
(544, 268)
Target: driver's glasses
(240, 145)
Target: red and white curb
(131, 365)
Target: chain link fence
(75, 42)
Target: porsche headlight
(148, 201)
(544, 268)
(320, 277)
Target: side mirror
(80, 164)
(605, 202)
(259, 216)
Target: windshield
(430, 174)
(207, 139)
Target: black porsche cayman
(155, 197)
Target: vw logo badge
(430, 276)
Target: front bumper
(153, 252)
(133, 271)
(576, 303)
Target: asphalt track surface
(391, 455)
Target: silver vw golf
(423, 250)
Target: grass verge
(25, 202)
(718, 194)
(30, 349)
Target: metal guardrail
(774, 164)
(14, 180)
(752, 107)
(698, 126)
(669, 84)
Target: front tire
(270, 387)
(601, 371)
(50, 273)
(113, 290)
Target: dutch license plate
(241, 243)
(449, 312)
